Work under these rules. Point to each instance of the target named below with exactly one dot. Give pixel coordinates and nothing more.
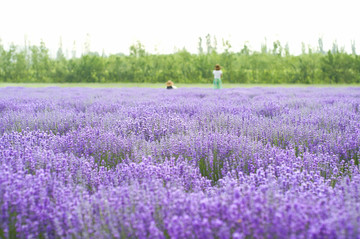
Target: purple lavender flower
(143, 163)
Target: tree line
(271, 65)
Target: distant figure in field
(170, 85)
(217, 77)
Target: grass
(162, 85)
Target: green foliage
(33, 64)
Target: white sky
(165, 24)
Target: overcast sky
(163, 25)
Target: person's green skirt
(217, 83)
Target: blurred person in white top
(217, 77)
(170, 85)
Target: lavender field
(188, 163)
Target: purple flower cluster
(191, 163)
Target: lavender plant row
(190, 163)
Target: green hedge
(34, 64)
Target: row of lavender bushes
(191, 163)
